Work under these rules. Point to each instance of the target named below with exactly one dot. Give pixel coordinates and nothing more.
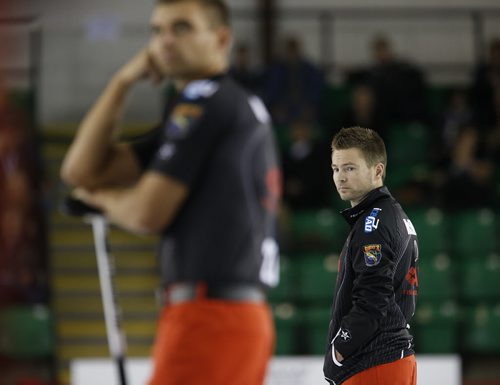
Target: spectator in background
(306, 168)
(399, 86)
(493, 133)
(19, 250)
(469, 174)
(486, 85)
(486, 103)
(241, 68)
(456, 114)
(362, 111)
(293, 86)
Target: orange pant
(400, 372)
(213, 342)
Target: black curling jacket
(376, 288)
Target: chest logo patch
(372, 254)
(200, 89)
(371, 221)
(182, 119)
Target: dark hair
(218, 9)
(366, 140)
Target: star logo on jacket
(372, 254)
(345, 335)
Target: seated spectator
(493, 132)
(21, 244)
(293, 86)
(485, 85)
(399, 86)
(306, 168)
(469, 178)
(362, 111)
(456, 114)
(241, 68)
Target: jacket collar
(352, 214)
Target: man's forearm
(119, 204)
(92, 145)
(148, 206)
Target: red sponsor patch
(411, 277)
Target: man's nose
(341, 176)
(166, 38)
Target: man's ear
(225, 37)
(379, 170)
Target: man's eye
(182, 27)
(155, 31)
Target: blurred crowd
(22, 251)
(459, 126)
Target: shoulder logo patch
(182, 118)
(372, 254)
(371, 221)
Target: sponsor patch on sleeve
(372, 254)
(182, 119)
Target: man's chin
(170, 68)
(345, 197)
